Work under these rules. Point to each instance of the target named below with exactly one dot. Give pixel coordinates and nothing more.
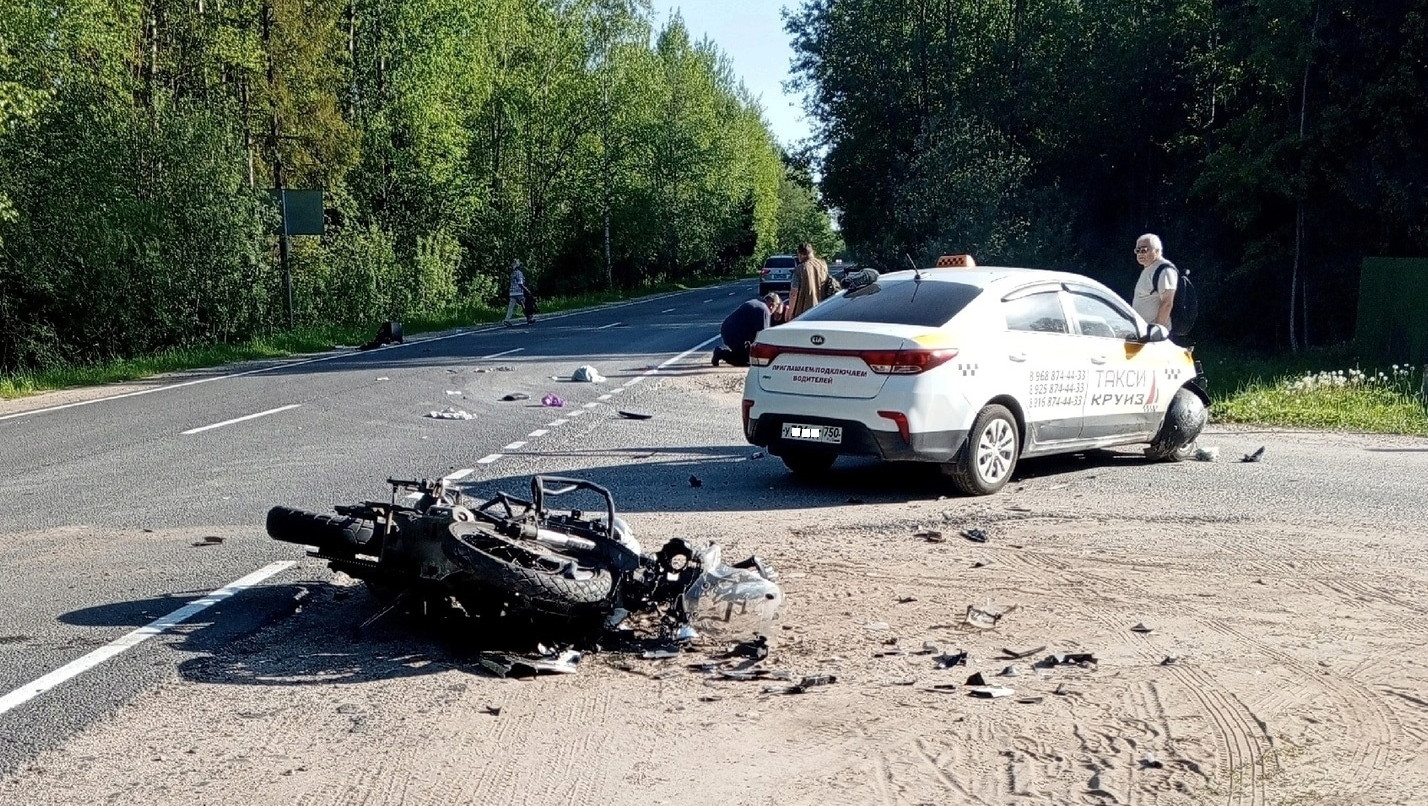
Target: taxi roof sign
(956, 262)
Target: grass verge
(302, 340)
(1325, 389)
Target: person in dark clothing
(741, 327)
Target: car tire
(808, 463)
(1184, 420)
(989, 457)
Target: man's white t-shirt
(1147, 299)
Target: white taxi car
(972, 368)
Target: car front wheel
(989, 457)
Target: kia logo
(816, 339)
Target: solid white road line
(504, 352)
(29, 691)
(239, 419)
(486, 460)
(515, 446)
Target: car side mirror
(1153, 332)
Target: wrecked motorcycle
(512, 556)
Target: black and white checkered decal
(968, 370)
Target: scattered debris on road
(630, 415)
(550, 662)
(989, 692)
(1018, 654)
(552, 401)
(975, 535)
(1207, 454)
(930, 535)
(451, 413)
(516, 396)
(985, 618)
(1141, 628)
(587, 374)
(1254, 457)
(210, 540)
(694, 481)
(1084, 659)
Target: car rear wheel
(989, 457)
(807, 463)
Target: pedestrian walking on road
(810, 284)
(741, 327)
(519, 296)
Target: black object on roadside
(389, 333)
(1256, 456)
(630, 415)
(975, 535)
(694, 481)
(976, 679)
(517, 396)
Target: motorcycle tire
(330, 534)
(534, 578)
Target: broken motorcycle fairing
(510, 555)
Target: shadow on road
(663, 479)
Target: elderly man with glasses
(1155, 290)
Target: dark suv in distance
(777, 274)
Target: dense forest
(141, 140)
(1272, 144)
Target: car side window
(1096, 317)
(1036, 313)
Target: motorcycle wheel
(330, 534)
(533, 578)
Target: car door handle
(1017, 356)
(1098, 359)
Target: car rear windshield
(779, 263)
(928, 304)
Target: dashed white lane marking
(708, 300)
(503, 352)
(29, 691)
(607, 327)
(239, 419)
(496, 328)
(540, 432)
(456, 476)
(666, 310)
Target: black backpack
(1186, 306)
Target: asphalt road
(108, 505)
(105, 501)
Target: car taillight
(905, 362)
(764, 272)
(900, 420)
(761, 355)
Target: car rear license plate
(831, 434)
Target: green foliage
(1383, 401)
(138, 140)
(1270, 144)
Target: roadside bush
(1386, 401)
